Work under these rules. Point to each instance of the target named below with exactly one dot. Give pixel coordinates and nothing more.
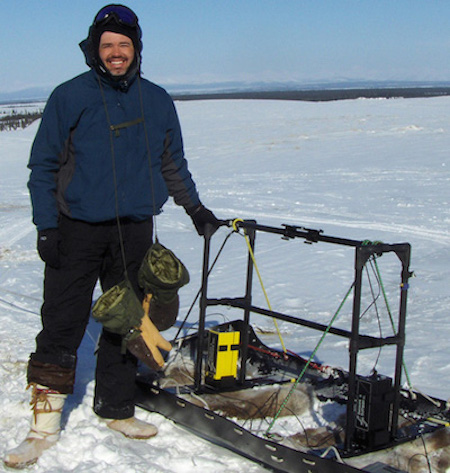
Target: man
(106, 157)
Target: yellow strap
(234, 226)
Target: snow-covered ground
(362, 169)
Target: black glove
(48, 246)
(201, 216)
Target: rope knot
(40, 402)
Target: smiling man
(116, 51)
(106, 157)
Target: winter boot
(47, 405)
(133, 428)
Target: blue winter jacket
(75, 153)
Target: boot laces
(41, 396)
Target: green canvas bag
(162, 274)
(119, 311)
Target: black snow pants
(88, 253)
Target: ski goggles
(120, 13)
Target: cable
(336, 452)
(374, 304)
(201, 288)
(23, 309)
(313, 354)
(410, 459)
(18, 294)
(412, 422)
(250, 250)
(391, 319)
(116, 197)
(426, 452)
(3, 301)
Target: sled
(225, 385)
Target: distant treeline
(322, 95)
(16, 120)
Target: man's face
(116, 52)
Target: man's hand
(48, 246)
(201, 216)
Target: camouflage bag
(161, 274)
(119, 311)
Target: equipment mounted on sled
(203, 402)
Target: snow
(359, 169)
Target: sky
(207, 41)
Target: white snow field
(359, 169)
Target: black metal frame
(363, 251)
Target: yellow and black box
(223, 357)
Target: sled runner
(224, 384)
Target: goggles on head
(123, 15)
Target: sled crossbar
(366, 341)
(363, 252)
